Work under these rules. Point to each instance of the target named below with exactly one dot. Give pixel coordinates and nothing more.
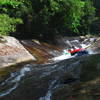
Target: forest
(45, 18)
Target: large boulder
(12, 52)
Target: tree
(50, 16)
(89, 17)
(11, 13)
(47, 17)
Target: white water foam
(14, 80)
(49, 93)
(47, 97)
(85, 46)
(62, 57)
(8, 91)
(66, 55)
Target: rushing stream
(64, 78)
(14, 80)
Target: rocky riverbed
(77, 78)
(73, 79)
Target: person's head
(73, 47)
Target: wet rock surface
(73, 79)
(87, 83)
(41, 50)
(70, 79)
(12, 52)
(96, 46)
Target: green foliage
(7, 24)
(16, 8)
(75, 14)
(89, 16)
(11, 14)
(13, 3)
(59, 14)
(46, 16)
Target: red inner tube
(75, 50)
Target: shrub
(8, 24)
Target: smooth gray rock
(12, 52)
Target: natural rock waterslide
(73, 79)
(44, 52)
(70, 79)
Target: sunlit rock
(12, 52)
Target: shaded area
(74, 79)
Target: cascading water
(43, 80)
(49, 93)
(55, 83)
(13, 80)
(76, 44)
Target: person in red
(74, 50)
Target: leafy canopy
(46, 16)
(7, 24)
(59, 13)
(11, 13)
